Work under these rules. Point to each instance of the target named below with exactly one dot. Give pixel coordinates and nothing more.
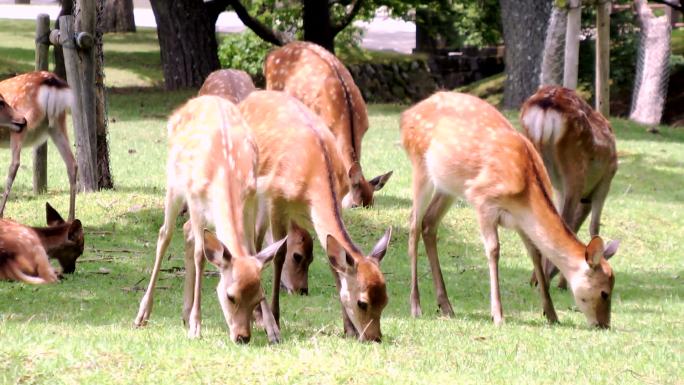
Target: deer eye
(2, 103)
(604, 295)
(231, 298)
(298, 257)
(362, 305)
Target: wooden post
(572, 44)
(603, 57)
(40, 152)
(80, 75)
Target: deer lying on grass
(316, 77)
(43, 99)
(24, 250)
(235, 85)
(460, 145)
(577, 145)
(302, 176)
(212, 166)
(231, 84)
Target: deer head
(9, 118)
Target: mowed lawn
(80, 330)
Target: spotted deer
(577, 146)
(212, 167)
(231, 84)
(460, 145)
(43, 99)
(316, 77)
(235, 85)
(302, 175)
(24, 250)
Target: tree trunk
(650, 83)
(554, 48)
(67, 9)
(187, 41)
(104, 172)
(316, 23)
(524, 28)
(118, 16)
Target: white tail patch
(54, 101)
(543, 126)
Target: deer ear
(266, 255)
(339, 258)
(355, 173)
(379, 181)
(75, 230)
(611, 248)
(380, 248)
(594, 252)
(52, 217)
(215, 252)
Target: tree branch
(671, 3)
(356, 7)
(264, 32)
(215, 7)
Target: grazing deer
(43, 99)
(302, 175)
(24, 250)
(212, 167)
(235, 85)
(460, 145)
(316, 77)
(577, 145)
(231, 84)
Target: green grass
(79, 331)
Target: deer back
(22, 255)
(231, 84)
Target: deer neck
(51, 237)
(540, 222)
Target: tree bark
(104, 172)
(118, 16)
(650, 82)
(554, 48)
(187, 41)
(316, 23)
(524, 28)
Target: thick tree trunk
(187, 40)
(104, 172)
(650, 82)
(554, 48)
(67, 9)
(316, 23)
(524, 28)
(118, 16)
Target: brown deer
(460, 145)
(316, 77)
(302, 175)
(577, 146)
(235, 85)
(24, 250)
(231, 84)
(212, 167)
(43, 99)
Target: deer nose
(240, 339)
(304, 291)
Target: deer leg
(438, 207)
(262, 222)
(59, 137)
(196, 224)
(422, 192)
(189, 280)
(490, 238)
(171, 208)
(279, 225)
(15, 144)
(547, 303)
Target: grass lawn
(80, 330)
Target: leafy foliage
(244, 51)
